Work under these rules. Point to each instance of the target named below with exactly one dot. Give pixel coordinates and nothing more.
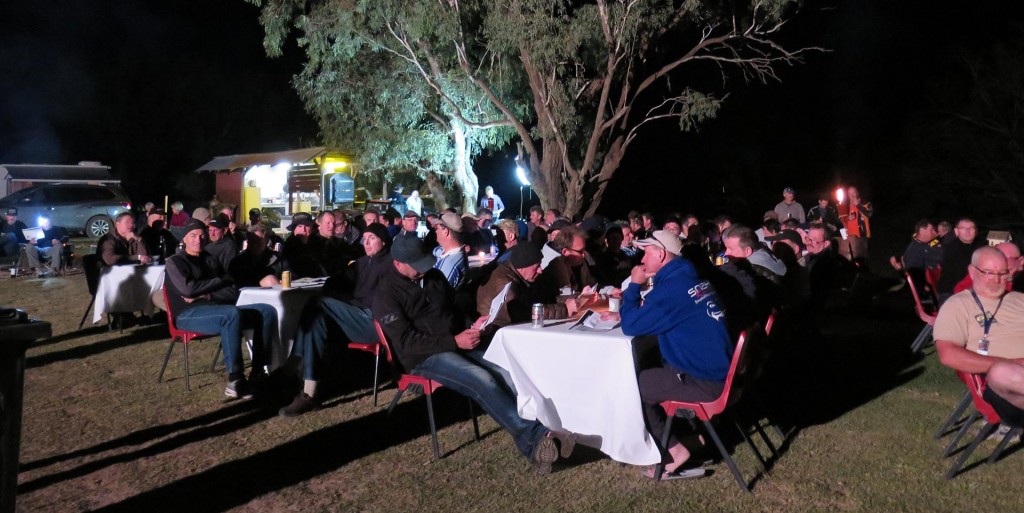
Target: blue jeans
(470, 375)
(229, 321)
(311, 339)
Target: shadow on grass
(139, 336)
(290, 463)
(71, 335)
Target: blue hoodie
(683, 312)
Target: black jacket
(418, 321)
(357, 283)
(193, 276)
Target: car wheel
(97, 227)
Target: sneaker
(238, 389)
(301, 404)
(566, 441)
(544, 454)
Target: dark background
(156, 89)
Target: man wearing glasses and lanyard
(981, 331)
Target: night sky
(155, 89)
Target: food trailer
(302, 180)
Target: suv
(89, 209)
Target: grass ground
(101, 434)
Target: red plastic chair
(373, 348)
(976, 387)
(186, 337)
(427, 386)
(928, 317)
(709, 410)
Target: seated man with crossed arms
(981, 331)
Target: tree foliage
(574, 81)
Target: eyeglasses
(580, 252)
(997, 274)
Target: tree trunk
(438, 192)
(611, 163)
(465, 178)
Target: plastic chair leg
(725, 455)
(188, 387)
(86, 314)
(960, 434)
(167, 358)
(954, 416)
(1002, 444)
(986, 430)
(922, 338)
(376, 376)
(433, 426)
(660, 467)
(767, 440)
(753, 447)
(216, 356)
(476, 424)
(394, 401)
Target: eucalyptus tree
(575, 81)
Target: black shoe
(301, 404)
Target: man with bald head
(981, 331)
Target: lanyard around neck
(989, 319)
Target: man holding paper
(507, 296)
(48, 243)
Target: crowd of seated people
(692, 284)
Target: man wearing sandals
(415, 309)
(683, 312)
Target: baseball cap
(409, 250)
(664, 240)
(201, 214)
(411, 213)
(195, 224)
(789, 235)
(789, 190)
(12, 211)
(771, 214)
(302, 218)
(452, 221)
(218, 223)
(254, 212)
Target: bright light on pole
(523, 182)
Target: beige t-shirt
(960, 321)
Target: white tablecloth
(584, 382)
(289, 304)
(128, 288)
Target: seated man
(121, 246)
(204, 301)
(923, 252)
(741, 243)
(302, 256)
(567, 273)
(683, 312)
(257, 265)
(451, 259)
(980, 330)
(221, 246)
(49, 248)
(159, 241)
(11, 234)
(518, 274)
(414, 307)
(346, 304)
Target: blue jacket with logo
(683, 311)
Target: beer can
(537, 315)
(286, 279)
(277, 247)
